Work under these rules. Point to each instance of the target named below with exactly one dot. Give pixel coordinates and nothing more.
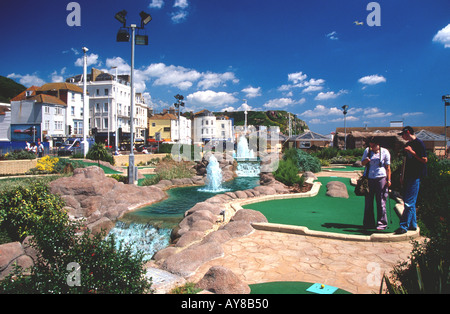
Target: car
(69, 147)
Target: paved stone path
(265, 256)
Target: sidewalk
(271, 256)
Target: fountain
(213, 177)
(248, 164)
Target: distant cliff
(9, 89)
(268, 118)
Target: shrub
(99, 152)
(287, 173)
(104, 266)
(19, 154)
(168, 170)
(303, 160)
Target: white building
(206, 127)
(5, 122)
(52, 111)
(110, 105)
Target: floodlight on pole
(344, 108)
(85, 104)
(124, 36)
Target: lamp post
(344, 108)
(178, 105)
(446, 100)
(124, 36)
(85, 105)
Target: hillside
(9, 89)
(268, 118)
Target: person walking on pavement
(415, 168)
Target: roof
(310, 136)
(165, 116)
(433, 129)
(428, 136)
(22, 95)
(60, 86)
(204, 113)
(47, 99)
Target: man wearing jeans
(415, 169)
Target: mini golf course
(294, 287)
(325, 213)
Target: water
(242, 149)
(248, 169)
(150, 227)
(213, 176)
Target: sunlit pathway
(270, 256)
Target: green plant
(167, 170)
(19, 154)
(99, 152)
(105, 266)
(187, 288)
(287, 173)
(120, 178)
(302, 160)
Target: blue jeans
(408, 218)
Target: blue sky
(308, 57)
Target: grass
(324, 213)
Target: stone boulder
(221, 280)
(101, 200)
(337, 189)
(13, 253)
(249, 216)
(238, 228)
(186, 262)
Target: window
(106, 92)
(47, 124)
(105, 123)
(223, 126)
(97, 107)
(97, 92)
(46, 109)
(73, 96)
(59, 111)
(167, 129)
(153, 124)
(97, 122)
(58, 125)
(72, 110)
(105, 107)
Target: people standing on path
(40, 149)
(27, 146)
(415, 168)
(378, 160)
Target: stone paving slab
(266, 256)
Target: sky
(387, 60)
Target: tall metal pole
(132, 171)
(85, 105)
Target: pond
(148, 228)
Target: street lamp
(345, 107)
(446, 100)
(124, 36)
(85, 105)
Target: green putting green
(286, 287)
(344, 168)
(325, 213)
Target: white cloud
(372, 79)
(58, 77)
(282, 103)
(210, 98)
(329, 95)
(92, 59)
(321, 110)
(373, 113)
(177, 76)
(156, 4)
(27, 80)
(183, 4)
(122, 66)
(216, 79)
(411, 114)
(443, 36)
(252, 92)
(312, 88)
(178, 17)
(297, 77)
(332, 35)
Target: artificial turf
(325, 213)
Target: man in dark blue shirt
(415, 168)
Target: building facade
(207, 127)
(164, 126)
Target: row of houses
(54, 111)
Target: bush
(104, 266)
(302, 160)
(19, 154)
(99, 152)
(287, 173)
(168, 170)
